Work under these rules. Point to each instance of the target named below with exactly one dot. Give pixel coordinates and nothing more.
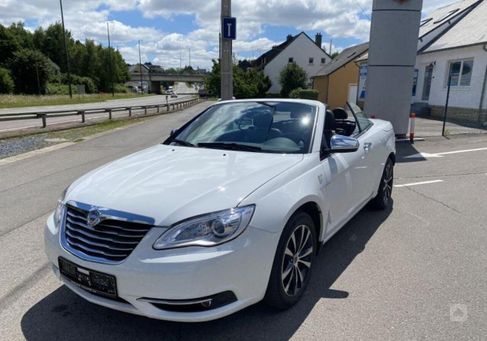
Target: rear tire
(291, 270)
(384, 193)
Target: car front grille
(111, 240)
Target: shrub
(304, 94)
(59, 89)
(90, 87)
(6, 82)
(292, 77)
(121, 88)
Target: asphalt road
(415, 272)
(23, 124)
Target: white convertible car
(230, 210)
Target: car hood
(171, 183)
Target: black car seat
(329, 129)
(343, 125)
(262, 129)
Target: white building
(459, 52)
(452, 40)
(299, 49)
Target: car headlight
(207, 230)
(58, 212)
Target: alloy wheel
(388, 181)
(296, 263)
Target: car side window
(363, 121)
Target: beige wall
(339, 82)
(333, 88)
(321, 84)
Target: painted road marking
(436, 155)
(419, 183)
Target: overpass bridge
(154, 79)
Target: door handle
(367, 146)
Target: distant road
(24, 124)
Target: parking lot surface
(417, 271)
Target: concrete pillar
(392, 55)
(155, 87)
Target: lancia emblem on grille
(94, 217)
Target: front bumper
(241, 266)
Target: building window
(311, 60)
(460, 72)
(415, 81)
(291, 60)
(428, 77)
(323, 60)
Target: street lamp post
(66, 49)
(140, 71)
(111, 60)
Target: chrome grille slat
(86, 227)
(85, 248)
(93, 236)
(111, 240)
(98, 244)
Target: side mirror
(173, 132)
(343, 144)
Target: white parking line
(434, 155)
(419, 183)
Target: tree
(31, 71)
(246, 84)
(53, 45)
(6, 82)
(9, 44)
(292, 77)
(27, 54)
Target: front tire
(384, 194)
(294, 257)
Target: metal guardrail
(44, 115)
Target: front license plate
(90, 280)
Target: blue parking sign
(229, 29)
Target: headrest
(297, 115)
(340, 114)
(329, 120)
(263, 120)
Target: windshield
(273, 127)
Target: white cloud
(87, 19)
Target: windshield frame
(174, 135)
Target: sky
(177, 32)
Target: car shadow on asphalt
(63, 315)
(405, 149)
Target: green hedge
(304, 94)
(90, 87)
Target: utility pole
(190, 57)
(140, 71)
(38, 80)
(331, 46)
(445, 113)
(66, 49)
(226, 67)
(111, 59)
